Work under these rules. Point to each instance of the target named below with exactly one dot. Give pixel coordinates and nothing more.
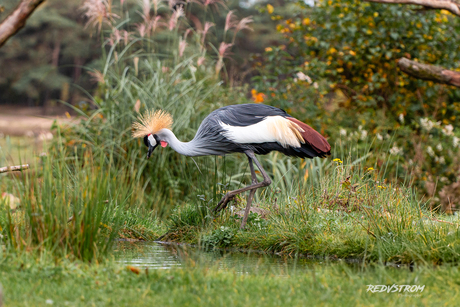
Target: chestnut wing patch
(313, 137)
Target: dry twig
(14, 168)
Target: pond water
(166, 256)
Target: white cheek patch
(152, 140)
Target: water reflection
(159, 256)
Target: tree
(424, 71)
(342, 69)
(47, 58)
(17, 19)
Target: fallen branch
(452, 6)
(13, 168)
(17, 19)
(429, 72)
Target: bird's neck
(186, 149)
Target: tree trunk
(17, 19)
(429, 72)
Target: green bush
(337, 70)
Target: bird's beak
(151, 149)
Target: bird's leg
(251, 195)
(248, 208)
(267, 181)
(253, 173)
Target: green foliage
(338, 71)
(221, 237)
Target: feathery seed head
(230, 21)
(151, 122)
(244, 24)
(182, 45)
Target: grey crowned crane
(246, 128)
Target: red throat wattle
(163, 144)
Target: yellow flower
(369, 31)
(270, 9)
(268, 49)
(338, 161)
(376, 14)
(306, 21)
(339, 70)
(351, 52)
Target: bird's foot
(223, 202)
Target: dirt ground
(25, 133)
(28, 121)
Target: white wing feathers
(271, 129)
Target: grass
(73, 207)
(350, 213)
(29, 282)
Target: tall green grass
(71, 206)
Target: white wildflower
(401, 118)
(448, 129)
(439, 147)
(49, 302)
(395, 150)
(363, 135)
(427, 124)
(442, 160)
(303, 77)
(430, 151)
(360, 128)
(379, 136)
(455, 141)
(444, 179)
(343, 132)
(315, 85)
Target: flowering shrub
(337, 70)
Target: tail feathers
(313, 138)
